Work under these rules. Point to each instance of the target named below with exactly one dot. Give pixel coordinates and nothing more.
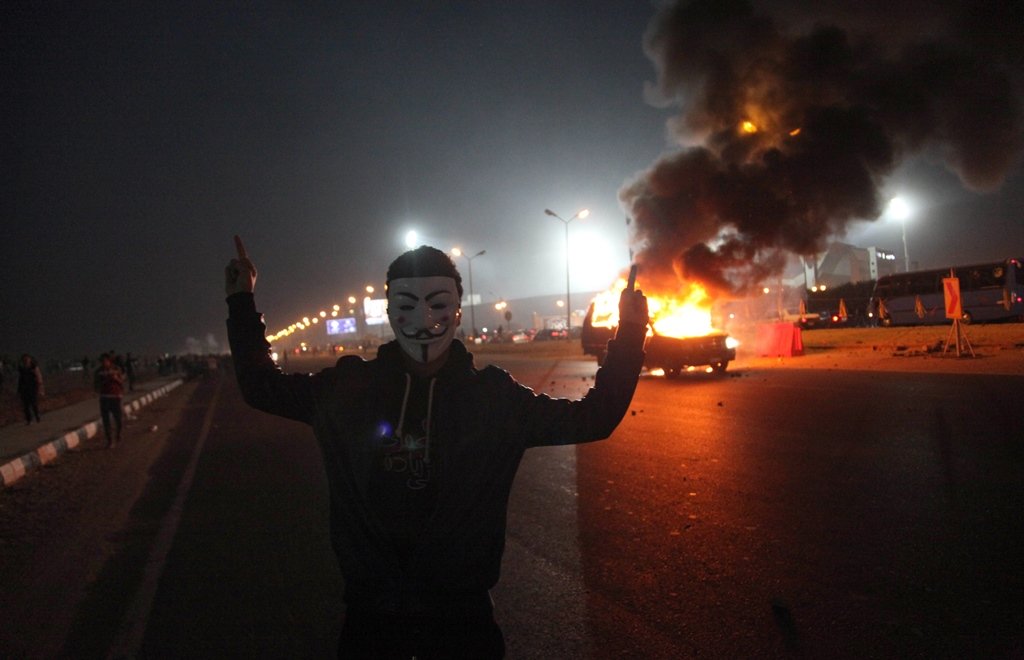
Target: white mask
(424, 313)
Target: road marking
(133, 627)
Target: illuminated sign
(951, 294)
(376, 311)
(341, 326)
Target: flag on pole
(842, 309)
(919, 307)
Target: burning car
(680, 337)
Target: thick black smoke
(787, 135)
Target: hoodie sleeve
(543, 420)
(264, 386)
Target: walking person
(421, 448)
(30, 387)
(109, 382)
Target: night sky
(138, 138)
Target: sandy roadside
(987, 360)
(998, 349)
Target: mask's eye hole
(406, 307)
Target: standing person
(109, 382)
(129, 369)
(30, 387)
(420, 449)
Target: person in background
(30, 387)
(129, 369)
(421, 448)
(109, 382)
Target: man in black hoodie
(420, 449)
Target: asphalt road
(769, 513)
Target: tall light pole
(472, 306)
(582, 213)
(906, 253)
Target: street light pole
(472, 303)
(906, 253)
(582, 213)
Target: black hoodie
(420, 472)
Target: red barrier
(778, 340)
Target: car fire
(681, 335)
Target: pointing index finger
(631, 283)
(240, 247)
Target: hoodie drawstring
(430, 410)
(405, 401)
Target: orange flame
(685, 315)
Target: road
(769, 513)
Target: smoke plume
(787, 135)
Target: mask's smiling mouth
(423, 334)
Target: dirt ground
(998, 348)
(988, 349)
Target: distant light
(323, 313)
(411, 239)
(560, 303)
(583, 213)
(748, 127)
(766, 290)
(899, 208)
(369, 288)
(351, 300)
(457, 252)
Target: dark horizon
(138, 140)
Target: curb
(54, 447)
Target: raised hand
(633, 303)
(240, 274)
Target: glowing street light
(472, 307)
(582, 213)
(411, 239)
(900, 210)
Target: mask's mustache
(424, 333)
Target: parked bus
(844, 305)
(988, 292)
